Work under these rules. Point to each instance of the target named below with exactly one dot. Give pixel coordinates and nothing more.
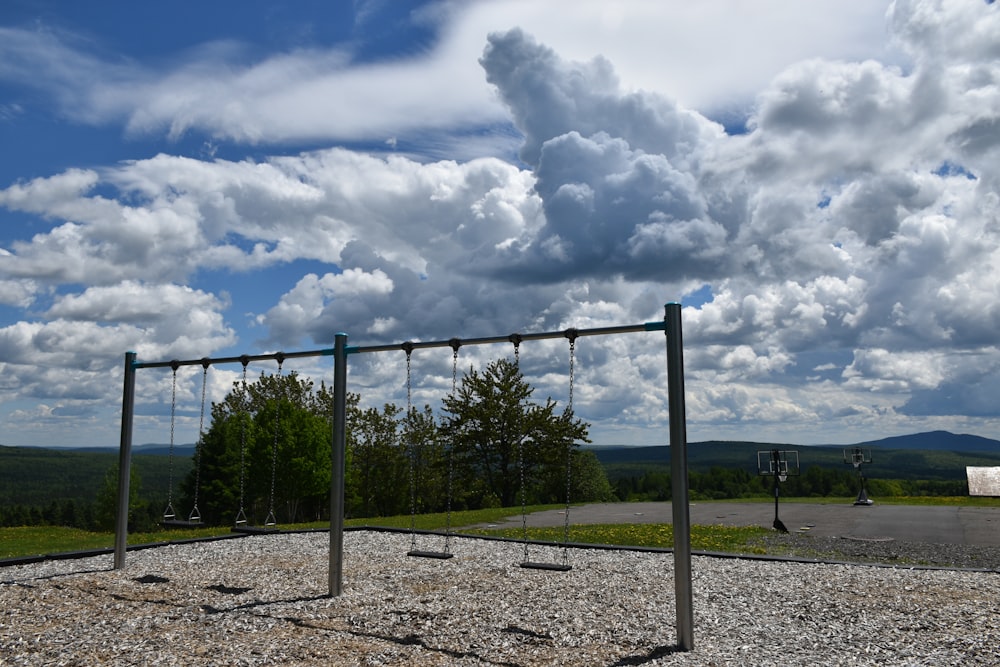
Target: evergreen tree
(501, 440)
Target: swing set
(671, 326)
(194, 520)
(170, 519)
(413, 456)
(241, 524)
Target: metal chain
(571, 334)
(516, 340)
(271, 518)
(169, 513)
(455, 344)
(408, 434)
(241, 516)
(195, 515)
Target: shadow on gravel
(654, 654)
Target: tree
(588, 479)
(380, 463)
(268, 440)
(429, 463)
(503, 443)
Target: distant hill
(38, 476)
(937, 455)
(152, 449)
(937, 441)
(931, 440)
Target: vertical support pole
(679, 477)
(125, 461)
(339, 460)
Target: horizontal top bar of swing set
(412, 345)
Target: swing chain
(271, 518)
(241, 517)
(195, 515)
(455, 344)
(516, 340)
(168, 513)
(408, 435)
(572, 335)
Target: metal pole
(339, 457)
(125, 461)
(679, 478)
(776, 493)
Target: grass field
(41, 540)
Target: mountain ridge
(926, 440)
(938, 440)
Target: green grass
(38, 540)
(35, 540)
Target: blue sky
(815, 182)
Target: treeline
(64, 513)
(720, 483)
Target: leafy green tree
(588, 481)
(501, 440)
(268, 440)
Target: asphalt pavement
(916, 523)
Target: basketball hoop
(779, 464)
(857, 456)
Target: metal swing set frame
(670, 325)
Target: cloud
(297, 96)
(83, 329)
(329, 94)
(306, 302)
(845, 247)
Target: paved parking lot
(917, 523)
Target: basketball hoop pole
(776, 462)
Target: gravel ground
(262, 600)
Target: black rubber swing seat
(440, 555)
(554, 567)
(255, 530)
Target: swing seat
(440, 555)
(554, 567)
